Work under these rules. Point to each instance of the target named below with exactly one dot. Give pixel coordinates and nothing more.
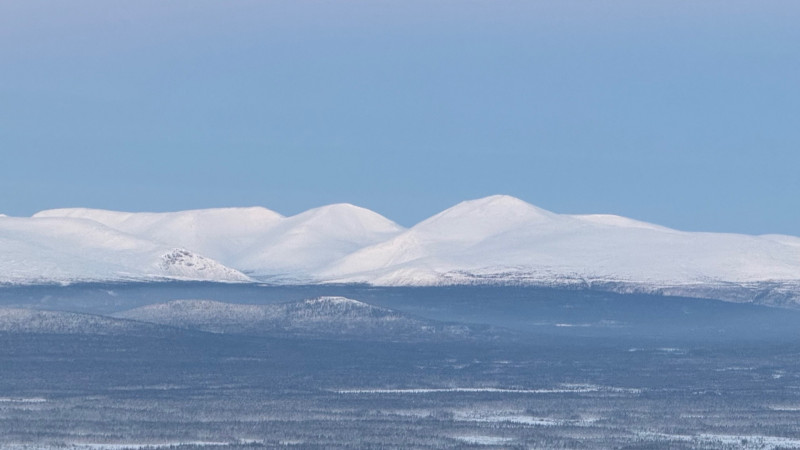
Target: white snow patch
(562, 389)
(787, 408)
(125, 446)
(747, 442)
(519, 418)
(22, 400)
(483, 440)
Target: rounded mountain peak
(488, 215)
(502, 202)
(349, 216)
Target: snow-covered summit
(255, 240)
(460, 227)
(300, 245)
(500, 239)
(491, 215)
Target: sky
(681, 113)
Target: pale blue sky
(682, 113)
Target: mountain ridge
(320, 317)
(493, 240)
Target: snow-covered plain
(493, 240)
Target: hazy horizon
(676, 113)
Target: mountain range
(493, 240)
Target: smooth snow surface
(256, 241)
(47, 250)
(497, 240)
(222, 233)
(501, 238)
(301, 245)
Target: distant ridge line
(493, 240)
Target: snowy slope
(222, 233)
(303, 244)
(256, 241)
(328, 317)
(500, 238)
(63, 250)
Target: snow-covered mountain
(301, 245)
(502, 239)
(496, 239)
(256, 241)
(328, 317)
(63, 250)
(223, 234)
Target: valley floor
(556, 387)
